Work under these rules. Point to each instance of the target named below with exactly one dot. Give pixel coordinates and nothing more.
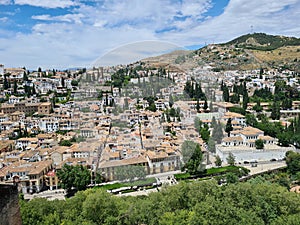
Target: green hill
(252, 51)
(264, 42)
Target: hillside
(251, 51)
(171, 60)
(264, 42)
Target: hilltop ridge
(250, 51)
(262, 41)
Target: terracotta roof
(23, 166)
(233, 139)
(123, 162)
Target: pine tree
(171, 100)
(225, 94)
(33, 90)
(15, 86)
(275, 114)
(211, 106)
(205, 105)
(228, 127)
(198, 105)
(217, 133)
(213, 122)
(245, 100)
(62, 82)
(5, 83)
(25, 77)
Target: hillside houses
(107, 128)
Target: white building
(48, 125)
(25, 142)
(241, 144)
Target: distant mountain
(250, 51)
(264, 42)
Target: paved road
(263, 167)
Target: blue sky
(70, 33)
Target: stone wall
(9, 205)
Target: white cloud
(264, 15)
(87, 32)
(5, 2)
(47, 3)
(71, 18)
(3, 19)
(194, 8)
(154, 14)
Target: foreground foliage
(187, 203)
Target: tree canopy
(186, 203)
(192, 156)
(77, 177)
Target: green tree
(228, 127)
(62, 81)
(275, 113)
(15, 86)
(211, 108)
(198, 105)
(259, 144)
(130, 173)
(293, 162)
(33, 90)
(25, 77)
(217, 133)
(152, 107)
(205, 133)
(77, 177)
(193, 165)
(65, 143)
(5, 82)
(235, 98)
(287, 103)
(74, 83)
(197, 124)
(205, 105)
(245, 99)
(213, 122)
(187, 149)
(258, 107)
(171, 101)
(100, 207)
(211, 145)
(231, 178)
(218, 161)
(225, 94)
(284, 138)
(251, 120)
(230, 159)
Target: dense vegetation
(262, 200)
(264, 41)
(286, 134)
(187, 203)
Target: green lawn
(128, 184)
